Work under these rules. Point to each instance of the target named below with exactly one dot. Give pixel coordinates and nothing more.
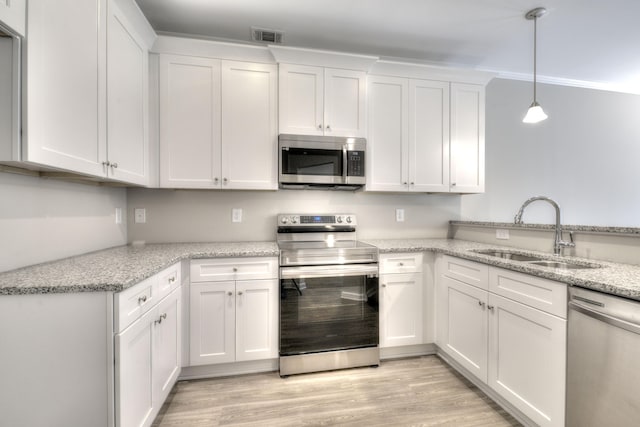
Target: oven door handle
(307, 272)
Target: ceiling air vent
(267, 36)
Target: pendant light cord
(535, 59)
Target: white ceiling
(593, 43)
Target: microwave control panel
(355, 163)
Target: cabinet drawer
(135, 301)
(401, 263)
(169, 279)
(469, 272)
(543, 294)
(207, 270)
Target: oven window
(304, 161)
(329, 313)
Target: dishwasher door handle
(614, 321)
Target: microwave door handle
(344, 163)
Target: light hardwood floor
(421, 391)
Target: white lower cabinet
(148, 357)
(401, 300)
(519, 350)
(233, 310)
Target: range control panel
(303, 220)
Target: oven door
(328, 308)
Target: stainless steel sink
(535, 260)
(508, 255)
(563, 265)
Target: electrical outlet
(399, 215)
(118, 215)
(140, 215)
(502, 234)
(236, 215)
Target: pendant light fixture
(535, 113)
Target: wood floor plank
(421, 391)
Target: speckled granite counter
(121, 267)
(613, 278)
(118, 268)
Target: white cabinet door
(190, 102)
(467, 138)
(134, 373)
(527, 354)
(322, 101)
(212, 322)
(249, 126)
(167, 346)
(401, 309)
(388, 137)
(344, 103)
(301, 99)
(12, 15)
(428, 158)
(463, 324)
(127, 97)
(65, 88)
(257, 319)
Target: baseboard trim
(405, 351)
(512, 410)
(228, 369)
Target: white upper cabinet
(65, 90)
(12, 15)
(322, 101)
(127, 100)
(467, 138)
(190, 117)
(87, 97)
(249, 126)
(408, 138)
(218, 124)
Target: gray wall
(192, 216)
(43, 219)
(586, 156)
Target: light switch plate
(140, 215)
(399, 215)
(502, 234)
(236, 215)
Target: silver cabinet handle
(453, 184)
(401, 264)
(114, 165)
(404, 183)
(106, 163)
(142, 299)
(239, 292)
(384, 285)
(161, 318)
(413, 183)
(230, 293)
(320, 127)
(225, 180)
(235, 269)
(328, 127)
(481, 304)
(490, 307)
(216, 179)
(172, 279)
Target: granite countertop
(118, 268)
(612, 278)
(121, 267)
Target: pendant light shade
(535, 113)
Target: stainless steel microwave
(321, 162)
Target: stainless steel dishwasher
(603, 360)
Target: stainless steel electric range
(328, 294)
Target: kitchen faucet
(558, 243)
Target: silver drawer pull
(142, 299)
(490, 307)
(230, 293)
(172, 279)
(401, 264)
(235, 269)
(239, 292)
